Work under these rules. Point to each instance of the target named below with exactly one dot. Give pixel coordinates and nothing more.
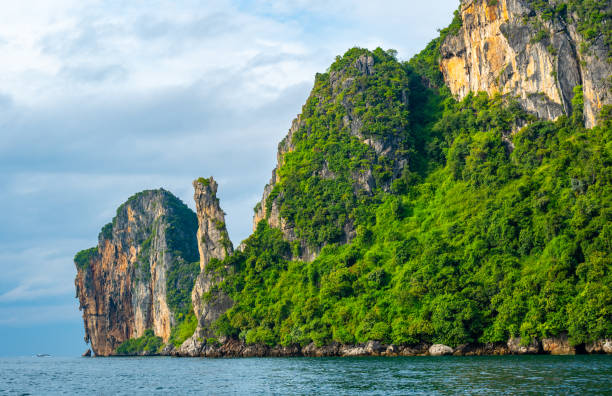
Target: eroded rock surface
(558, 346)
(440, 350)
(506, 47)
(516, 347)
(122, 284)
(213, 243)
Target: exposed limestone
(213, 243)
(599, 346)
(558, 346)
(515, 346)
(122, 289)
(440, 350)
(237, 348)
(414, 350)
(498, 50)
(488, 349)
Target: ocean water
(552, 375)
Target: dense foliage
(82, 258)
(185, 327)
(148, 344)
(349, 104)
(490, 236)
(592, 18)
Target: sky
(102, 99)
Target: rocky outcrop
(517, 347)
(440, 350)
(213, 243)
(123, 283)
(599, 346)
(507, 47)
(237, 348)
(272, 213)
(558, 345)
(487, 349)
(345, 83)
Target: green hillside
(470, 234)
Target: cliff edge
(129, 283)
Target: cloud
(39, 314)
(31, 272)
(93, 73)
(103, 99)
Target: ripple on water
(337, 376)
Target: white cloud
(101, 99)
(39, 314)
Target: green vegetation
(476, 241)
(82, 258)
(106, 232)
(185, 266)
(329, 152)
(148, 343)
(593, 18)
(143, 260)
(203, 181)
(474, 221)
(541, 35)
(184, 329)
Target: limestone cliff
(213, 243)
(530, 50)
(128, 283)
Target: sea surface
(551, 375)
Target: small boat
(43, 355)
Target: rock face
(213, 243)
(599, 346)
(558, 346)
(515, 347)
(440, 350)
(506, 46)
(123, 283)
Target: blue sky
(99, 100)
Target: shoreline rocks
(558, 346)
(232, 348)
(599, 346)
(517, 347)
(440, 350)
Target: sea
(503, 375)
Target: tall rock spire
(213, 243)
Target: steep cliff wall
(124, 283)
(213, 243)
(531, 50)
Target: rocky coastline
(232, 348)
